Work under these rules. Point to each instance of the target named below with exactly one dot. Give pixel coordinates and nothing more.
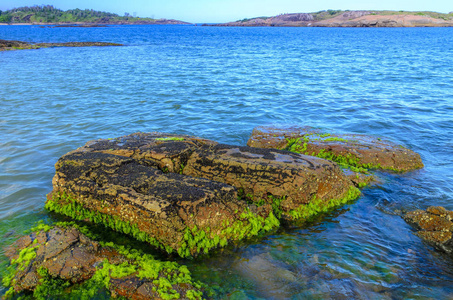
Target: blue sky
(199, 11)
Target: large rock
(49, 262)
(285, 180)
(188, 195)
(435, 226)
(171, 211)
(349, 149)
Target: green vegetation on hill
(50, 14)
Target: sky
(216, 11)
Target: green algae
(26, 256)
(164, 275)
(247, 226)
(316, 205)
(300, 145)
(67, 205)
(52, 287)
(195, 240)
(276, 205)
(170, 139)
(296, 145)
(348, 160)
(41, 226)
(335, 139)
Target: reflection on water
(219, 83)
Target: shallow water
(219, 83)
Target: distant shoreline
(157, 22)
(339, 18)
(325, 18)
(10, 45)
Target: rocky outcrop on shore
(19, 45)
(333, 18)
(52, 259)
(374, 20)
(434, 225)
(356, 150)
(189, 195)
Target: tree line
(50, 14)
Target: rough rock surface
(188, 195)
(256, 173)
(18, 45)
(261, 173)
(435, 225)
(170, 209)
(168, 152)
(351, 149)
(361, 180)
(64, 253)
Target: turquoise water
(219, 83)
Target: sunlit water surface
(219, 83)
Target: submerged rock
(361, 179)
(355, 150)
(50, 261)
(435, 226)
(188, 195)
(272, 279)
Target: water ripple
(219, 83)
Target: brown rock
(168, 210)
(349, 149)
(438, 237)
(360, 179)
(54, 251)
(435, 223)
(437, 210)
(132, 182)
(425, 220)
(165, 151)
(18, 45)
(67, 254)
(434, 226)
(258, 173)
(261, 173)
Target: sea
(221, 82)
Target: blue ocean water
(219, 83)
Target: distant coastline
(49, 15)
(340, 18)
(97, 24)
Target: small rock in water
(434, 225)
(52, 260)
(357, 150)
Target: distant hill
(48, 14)
(346, 18)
